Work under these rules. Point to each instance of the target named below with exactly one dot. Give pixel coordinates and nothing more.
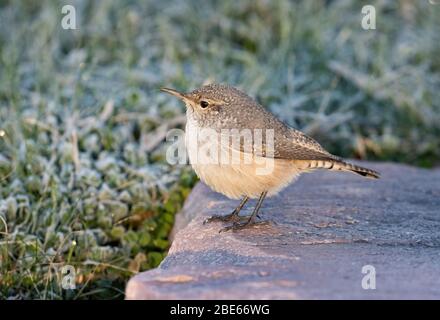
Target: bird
(223, 110)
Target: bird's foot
(225, 218)
(244, 225)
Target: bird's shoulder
(288, 143)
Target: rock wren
(223, 108)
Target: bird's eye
(204, 104)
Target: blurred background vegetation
(83, 180)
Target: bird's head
(212, 104)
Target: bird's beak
(175, 93)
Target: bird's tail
(339, 165)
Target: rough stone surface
(327, 226)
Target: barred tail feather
(365, 172)
(340, 165)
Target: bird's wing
(296, 145)
(287, 143)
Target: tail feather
(341, 165)
(365, 172)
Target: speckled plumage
(238, 110)
(293, 151)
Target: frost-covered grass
(83, 180)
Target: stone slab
(326, 227)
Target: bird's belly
(236, 183)
(250, 176)
(236, 180)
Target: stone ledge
(327, 226)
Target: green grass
(81, 181)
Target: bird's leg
(251, 221)
(229, 217)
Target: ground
(330, 232)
